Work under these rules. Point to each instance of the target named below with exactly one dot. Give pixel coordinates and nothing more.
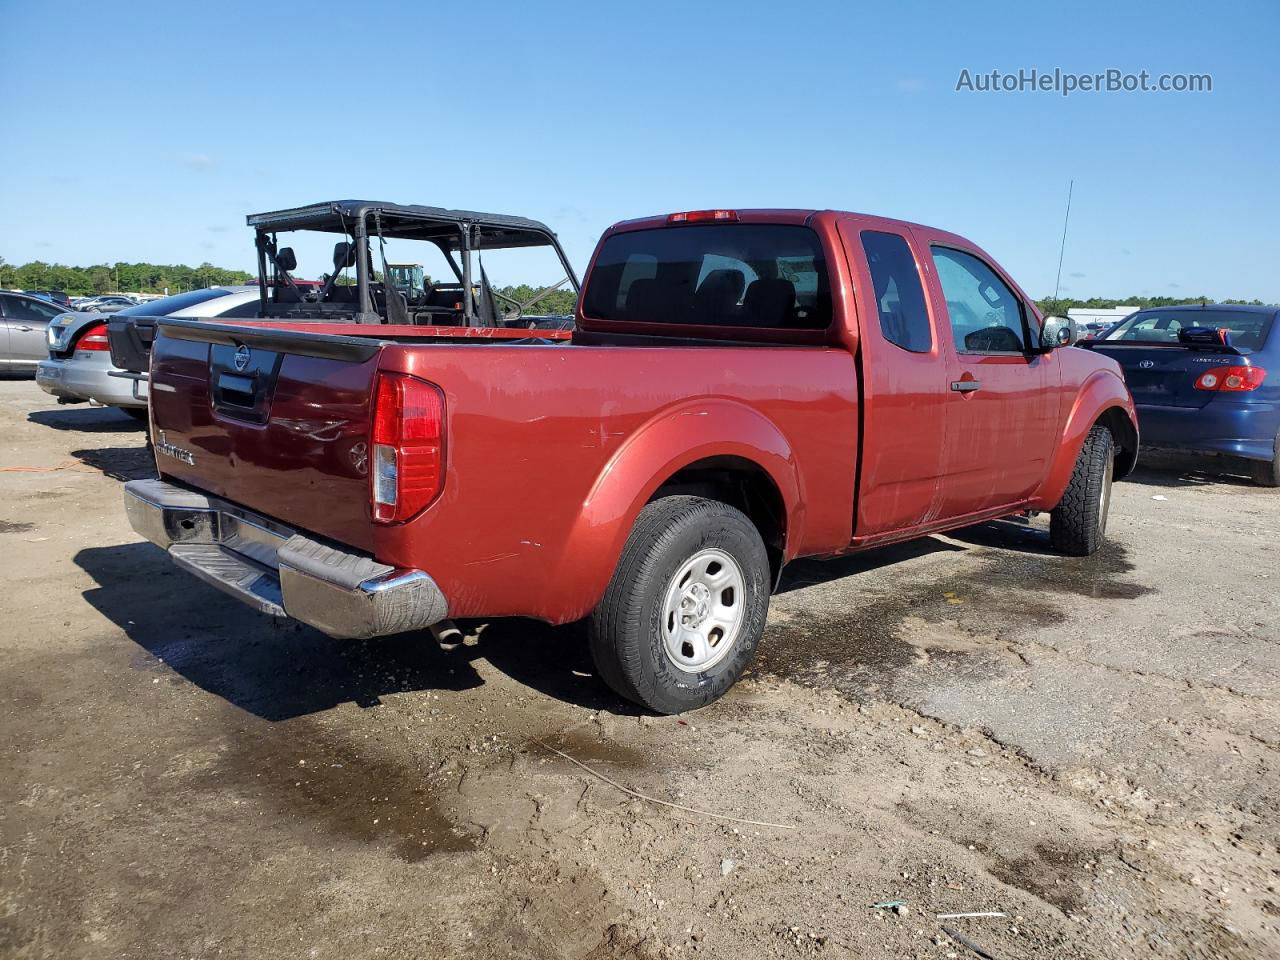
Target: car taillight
(407, 441)
(1231, 379)
(702, 216)
(94, 338)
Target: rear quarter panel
(552, 452)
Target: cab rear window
(770, 276)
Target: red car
(744, 388)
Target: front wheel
(1078, 524)
(686, 607)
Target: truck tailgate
(273, 419)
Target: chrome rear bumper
(279, 571)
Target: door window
(986, 316)
(904, 321)
(19, 308)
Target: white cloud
(196, 161)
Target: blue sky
(147, 132)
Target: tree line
(177, 278)
(1052, 307)
(556, 303)
(117, 277)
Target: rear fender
(674, 439)
(1102, 397)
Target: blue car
(1205, 379)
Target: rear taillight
(94, 338)
(1231, 379)
(407, 445)
(703, 216)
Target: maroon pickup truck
(743, 388)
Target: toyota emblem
(1145, 364)
(242, 357)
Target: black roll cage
(457, 232)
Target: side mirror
(286, 260)
(1055, 333)
(344, 255)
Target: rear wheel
(686, 607)
(1268, 474)
(1078, 524)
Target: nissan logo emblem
(241, 359)
(1145, 364)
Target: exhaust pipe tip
(447, 635)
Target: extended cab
(743, 388)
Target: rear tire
(693, 575)
(1078, 524)
(1268, 474)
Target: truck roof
(803, 216)
(411, 221)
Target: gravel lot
(966, 723)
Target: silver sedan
(23, 322)
(79, 366)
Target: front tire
(686, 607)
(1078, 524)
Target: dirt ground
(966, 723)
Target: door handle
(965, 386)
(23, 328)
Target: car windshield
(1248, 329)
(735, 275)
(168, 305)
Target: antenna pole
(1063, 249)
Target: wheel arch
(1125, 433)
(725, 448)
(743, 484)
(1102, 398)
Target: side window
(904, 321)
(986, 317)
(16, 308)
(48, 311)
(249, 309)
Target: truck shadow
(809, 572)
(276, 670)
(87, 419)
(119, 463)
(555, 661)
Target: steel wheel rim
(1104, 497)
(703, 610)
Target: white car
(79, 365)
